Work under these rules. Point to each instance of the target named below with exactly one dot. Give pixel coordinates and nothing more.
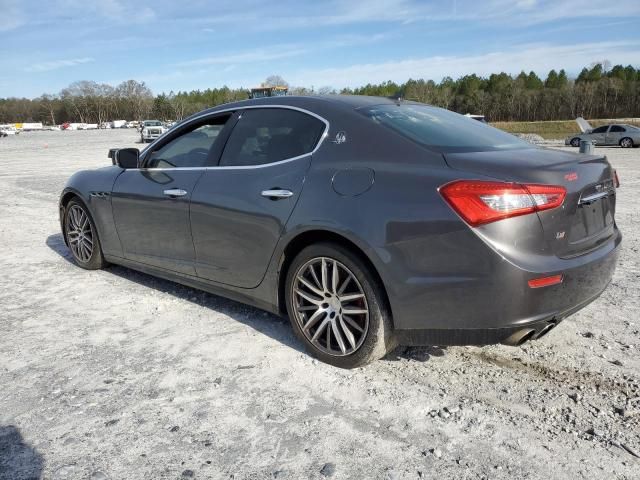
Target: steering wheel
(199, 151)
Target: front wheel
(82, 236)
(626, 142)
(337, 307)
(575, 142)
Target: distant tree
(599, 91)
(49, 104)
(533, 82)
(275, 81)
(562, 79)
(136, 97)
(583, 76)
(326, 91)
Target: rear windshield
(442, 130)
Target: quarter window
(268, 135)
(191, 149)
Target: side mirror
(125, 157)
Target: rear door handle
(175, 192)
(277, 193)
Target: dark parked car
(371, 222)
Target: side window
(617, 128)
(191, 149)
(267, 135)
(600, 129)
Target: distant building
(261, 92)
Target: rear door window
(600, 129)
(617, 128)
(268, 135)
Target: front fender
(93, 188)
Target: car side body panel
(235, 228)
(94, 189)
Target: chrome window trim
(324, 135)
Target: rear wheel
(82, 236)
(575, 142)
(337, 307)
(626, 142)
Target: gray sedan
(626, 136)
(369, 222)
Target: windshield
(442, 130)
(153, 124)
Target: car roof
(308, 102)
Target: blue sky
(171, 45)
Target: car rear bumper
(489, 309)
(487, 336)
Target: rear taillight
(479, 202)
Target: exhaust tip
(519, 337)
(546, 329)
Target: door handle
(175, 192)
(277, 193)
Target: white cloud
(115, 11)
(255, 55)
(331, 13)
(279, 52)
(539, 58)
(11, 16)
(57, 64)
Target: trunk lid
(585, 220)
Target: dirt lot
(114, 374)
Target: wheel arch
(65, 198)
(309, 237)
(67, 195)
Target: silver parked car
(626, 136)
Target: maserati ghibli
(369, 222)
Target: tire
(374, 338)
(626, 142)
(575, 142)
(79, 244)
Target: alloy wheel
(330, 306)
(626, 143)
(79, 233)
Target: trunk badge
(559, 235)
(571, 177)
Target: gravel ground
(114, 374)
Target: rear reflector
(545, 281)
(616, 180)
(479, 202)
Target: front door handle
(175, 192)
(277, 193)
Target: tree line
(599, 91)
